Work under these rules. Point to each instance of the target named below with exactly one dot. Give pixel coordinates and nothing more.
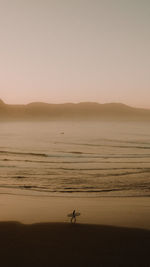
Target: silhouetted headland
(69, 111)
(63, 244)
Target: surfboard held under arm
(76, 214)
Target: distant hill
(69, 111)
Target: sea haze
(77, 159)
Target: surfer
(73, 218)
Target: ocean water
(75, 159)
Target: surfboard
(76, 214)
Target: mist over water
(84, 159)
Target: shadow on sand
(63, 244)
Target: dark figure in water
(73, 218)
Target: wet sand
(65, 244)
(121, 212)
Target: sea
(75, 158)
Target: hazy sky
(75, 50)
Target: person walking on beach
(73, 218)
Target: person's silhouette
(73, 218)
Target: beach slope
(63, 244)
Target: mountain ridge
(81, 110)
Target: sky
(60, 51)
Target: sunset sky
(75, 50)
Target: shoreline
(66, 244)
(124, 212)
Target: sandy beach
(121, 212)
(65, 244)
